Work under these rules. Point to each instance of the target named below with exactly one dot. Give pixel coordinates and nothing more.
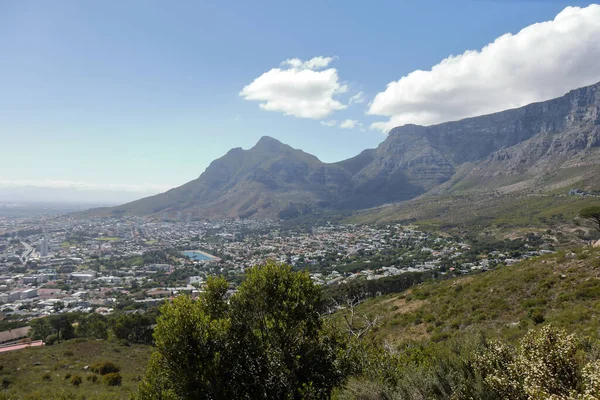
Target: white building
(44, 247)
(28, 294)
(85, 276)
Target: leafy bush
(112, 379)
(104, 367)
(544, 366)
(537, 315)
(50, 340)
(46, 377)
(92, 378)
(5, 383)
(76, 380)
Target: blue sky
(132, 97)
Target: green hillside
(50, 372)
(489, 215)
(562, 289)
(527, 331)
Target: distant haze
(70, 195)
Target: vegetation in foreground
(528, 331)
(267, 341)
(75, 369)
(433, 339)
(274, 340)
(562, 289)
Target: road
(28, 250)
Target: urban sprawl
(52, 265)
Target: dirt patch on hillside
(401, 306)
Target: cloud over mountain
(300, 88)
(542, 61)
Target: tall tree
(192, 352)
(593, 214)
(285, 352)
(268, 341)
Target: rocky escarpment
(568, 131)
(275, 180)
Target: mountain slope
(562, 289)
(269, 178)
(542, 146)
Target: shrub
(537, 315)
(76, 380)
(591, 380)
(50, 340)
(112, 379)
(545, 364)
(104, 367)
(67, 375)
(47, 377)
(440, 336)
(92, 378)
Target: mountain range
(513, 150)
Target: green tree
(285, 351)
(40, 328)
(135, 328)
(93, 326)
(192, 349)
(59, 325)
(267, 342)
(62, 327)
(593, 214)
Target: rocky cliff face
(565, 130)
(274, 180)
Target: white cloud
(329, 123)
(349, 124)
(542, 61)
(358, 98)
(301, 88)
(83, 186)
(314, 63)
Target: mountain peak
(273, 179)
(270, 144)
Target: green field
(41, 373)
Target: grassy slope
(565, 289)
(485, 214)
(499, 206)
(70, 357)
